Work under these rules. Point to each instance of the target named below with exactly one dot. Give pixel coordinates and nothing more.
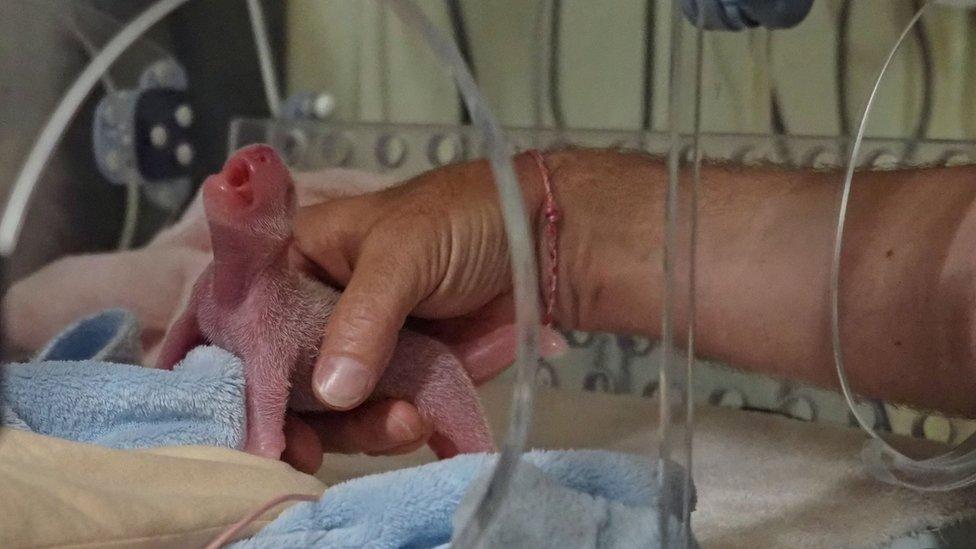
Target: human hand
(433, 248)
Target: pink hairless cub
(252, 303)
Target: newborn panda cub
(251, 302)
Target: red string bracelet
(550, 235)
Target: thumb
(364, 327)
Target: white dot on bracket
(335, 149)
(183, 116)
(323, 106)
(444, 149)
(729, 398)
(956, 158)
(823, 160)
(750, 156)
(800, 407)
(937, 428)
(158, 136)
(884, 160)
(391, 151)
(184, 154)
(868, 414)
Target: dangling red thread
(551, 234)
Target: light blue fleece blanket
(75, 389)
(579, 499)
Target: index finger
(330, 234)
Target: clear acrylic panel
(612, 363)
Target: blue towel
(108, 336)
(73, 391)
(584, 498)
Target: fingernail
(402, 431)
(342, 382)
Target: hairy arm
(764, 252)
(434, 248)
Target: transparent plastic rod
(384, 62)
(523, 269)
(131, 220)
(94, 20)
(16, 209)
(678, 302)
(951, 470)
(235, 529)
(692, 278)
(89, 48)
(539, 77)
(269, 77)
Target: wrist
(532, 171)
(545, 207)
(609, 238)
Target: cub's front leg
(268, 384)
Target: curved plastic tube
(12, 221)
(131, 220)
(268, 76)
(227, 535)
(110, 24)
(538, 78)
(523, 268)
(949, 471)
(675, 423)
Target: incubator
(113, 113)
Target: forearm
(764, 251)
